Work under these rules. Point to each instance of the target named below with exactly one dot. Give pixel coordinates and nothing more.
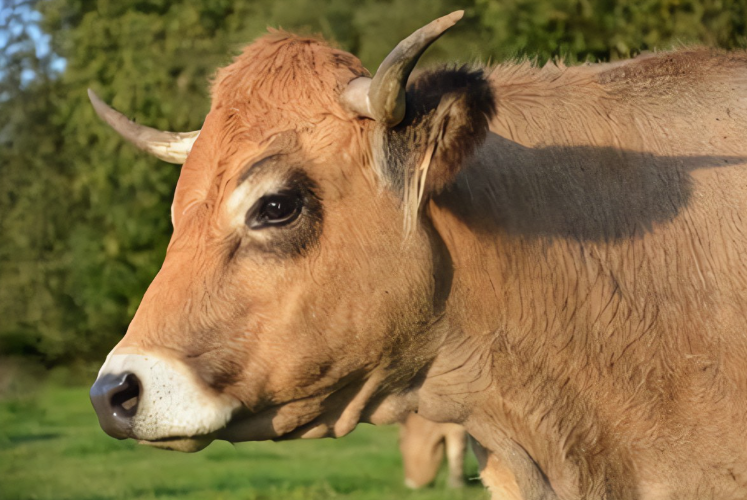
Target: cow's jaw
(335, 413)
(175, 410)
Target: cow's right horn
(383, 97)
(171, 147)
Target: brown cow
(554, 258)
(422, 444)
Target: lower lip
(186, 445)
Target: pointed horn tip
(101, 108)
(454, 17)
(438, 26)
(445, 22)
(93, 97)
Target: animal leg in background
(422, 444)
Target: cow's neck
(520, 334)
(570, 286)
(494, 373)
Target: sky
(16, 16)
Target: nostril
(115, 399)
(124, 401)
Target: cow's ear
(448, 114)
(461, 106)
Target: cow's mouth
(250, 428)
(183, 444)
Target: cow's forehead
(281, 89)
(287, 78)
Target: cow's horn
(383, 97)
(171, 147)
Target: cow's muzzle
(158, 400)
(115, 399)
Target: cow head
(303, 288)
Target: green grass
(51, 448)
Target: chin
(185, 445)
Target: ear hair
(448, 114)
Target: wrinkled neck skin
(597, 302)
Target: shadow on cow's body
(554, 258)
(585, 193)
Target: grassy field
(51, 448)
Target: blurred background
(84, 217)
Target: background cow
(423, 443)
(553, 258)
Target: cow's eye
(275, 210)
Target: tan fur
(576, 299)
(618, 362)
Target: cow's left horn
(383, 97)
(171, 147)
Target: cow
(422, 444)
(554, 258)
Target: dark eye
(275, 210)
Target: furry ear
(448, 114)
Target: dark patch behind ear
(450, 106)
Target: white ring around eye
(246, 195)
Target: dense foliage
(84, 217)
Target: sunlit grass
(51, 448)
